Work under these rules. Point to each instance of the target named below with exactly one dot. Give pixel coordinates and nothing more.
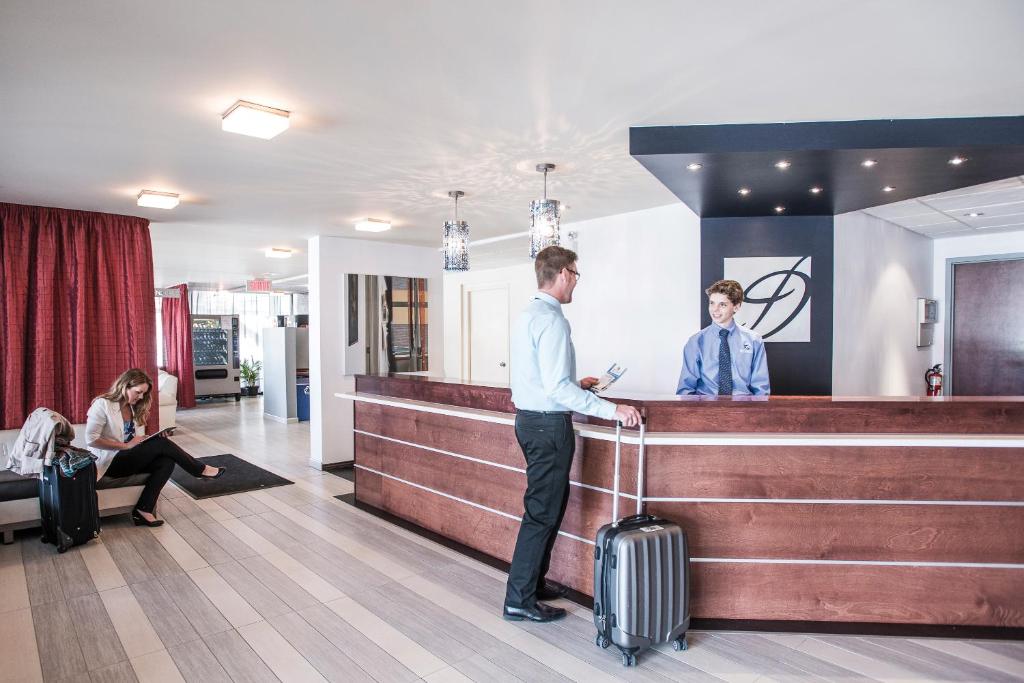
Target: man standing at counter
(724, 359)
(545, 393)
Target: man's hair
(550, 262)
(730, 288)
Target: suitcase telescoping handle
(616, 479)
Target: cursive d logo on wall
(777, 295)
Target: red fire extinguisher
(933, 378)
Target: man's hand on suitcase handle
(627, 415)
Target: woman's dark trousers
(157, 457)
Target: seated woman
(115, 434)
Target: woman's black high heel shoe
(220, 471)
(139, 520)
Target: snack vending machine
(215, 355)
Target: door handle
(501, 364)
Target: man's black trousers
(548, 445)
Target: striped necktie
(724, 364)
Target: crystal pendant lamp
(456, 239)
(543, 217)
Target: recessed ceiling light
(868, 163)
(888, 188)
(373, 225)
(744, 191)
(256, 120)
(779, 209)
(974, 214)
(816, 190)
(279, 252)
(957, 160)
(694, 166)
(158, 200)
(782, 165)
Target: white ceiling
(999, 205)
(395, 103)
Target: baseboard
(331, 466)
(282, 420)
(772, 626)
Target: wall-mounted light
(544, 218)
(158, 200)
(957, 160)
(888, 188)
(743, 191)
(869, 163)
(373, 225)
(256, 120)
(278, 252)
(816, 190)
(782, 165)
(694, 166)
(780, 209)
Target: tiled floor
(291, 584)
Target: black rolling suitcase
(641, 575)
(67, 506)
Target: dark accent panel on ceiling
(912, 158)
(795, 368)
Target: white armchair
(167, 395)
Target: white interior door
(485, 333)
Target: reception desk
(864, 510)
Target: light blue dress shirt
(700, 362)
(543, 373)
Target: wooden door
(988, 328)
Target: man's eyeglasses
(576, 273)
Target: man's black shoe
(551, 591)
(539, 612)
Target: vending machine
(215, 355)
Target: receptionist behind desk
(724, 359)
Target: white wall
(956, 247)
(279, 399)
(880, 271)
(330, 259)
(637, 302)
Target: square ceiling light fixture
(253, 119)
(158, 200)
(373, 225)
(278, 252)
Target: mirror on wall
(386, 324)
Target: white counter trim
(720, 560)
(482, 462)
(715, 438)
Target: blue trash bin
(302, 400)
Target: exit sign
(257, 285)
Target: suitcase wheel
(679, 644)
(61, 548)
(602, 641)
(628, 659)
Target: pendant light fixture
(543, 217)
(456, 239)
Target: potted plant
(250, 372)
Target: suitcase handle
(616, 480)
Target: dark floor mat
(241, 476)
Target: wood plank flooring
(291, 584)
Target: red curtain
(76, 308)
(177, 325)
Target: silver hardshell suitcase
(641, 575)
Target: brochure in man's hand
(610, 377)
